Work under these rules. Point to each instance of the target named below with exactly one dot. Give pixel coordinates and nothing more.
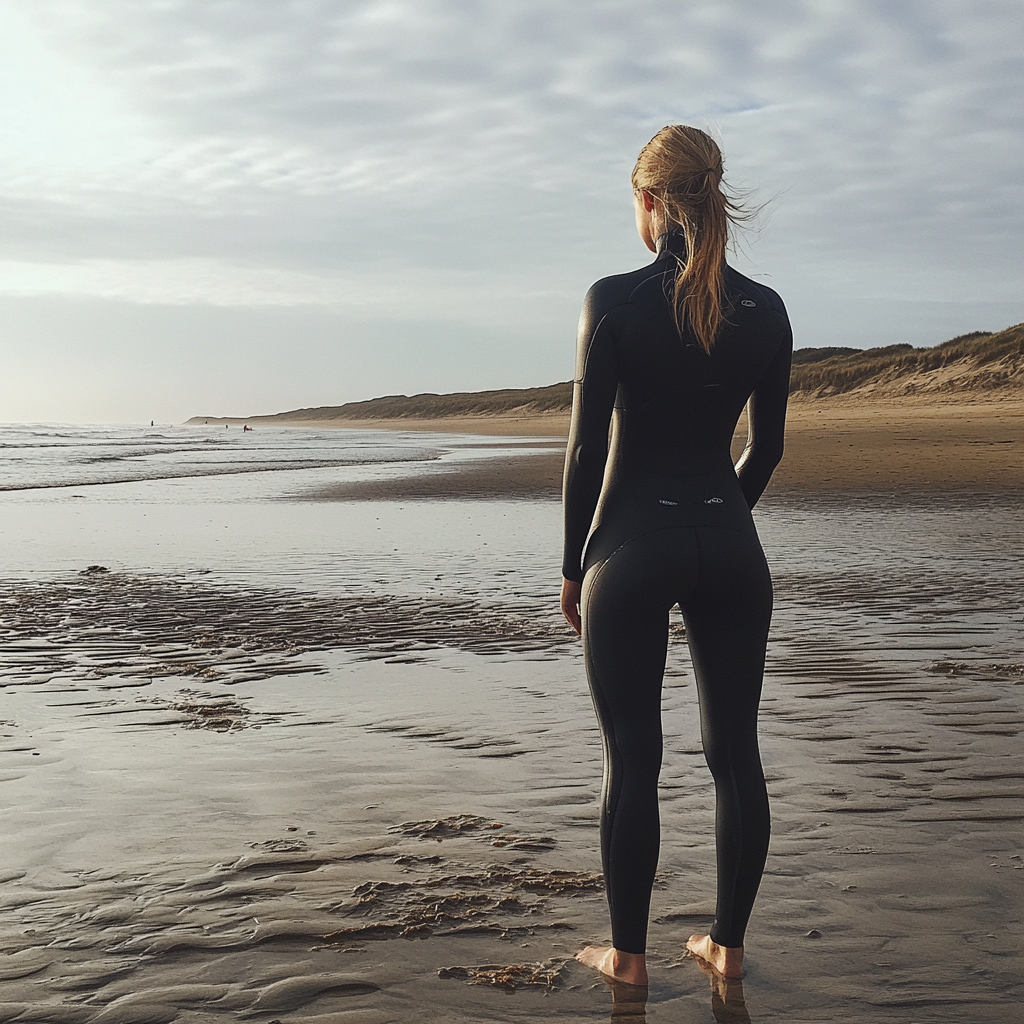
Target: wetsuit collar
(673, 242)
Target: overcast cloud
(236, 206)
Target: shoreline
(531, 425)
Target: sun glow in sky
(243, 206)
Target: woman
(657, 515)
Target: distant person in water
(668, 356)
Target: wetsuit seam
(740, 830)
(593, 335)
(659, 273)
(629, 540)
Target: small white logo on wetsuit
(665, 501)
(747, 302)
(714, 501)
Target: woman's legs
(721, 581)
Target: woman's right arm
(593, 400)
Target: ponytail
(681, 169)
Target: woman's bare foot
(630, 968)
(726, 960)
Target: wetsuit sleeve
(766, 422)
(593, 399)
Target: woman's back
(673, 407)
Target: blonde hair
(681, 168)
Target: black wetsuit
(668, 520)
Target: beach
(834, 445)
(293, 730)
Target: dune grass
(980, 360)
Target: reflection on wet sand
(629, 1002)
(727, 1003)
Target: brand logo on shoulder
(665, 501)
(747, 302)
(715, 501)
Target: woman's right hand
(571, 592)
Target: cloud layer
(442, 168)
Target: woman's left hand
(571, 592)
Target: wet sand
(367, 790)
(190, 835)
(537, 474)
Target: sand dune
(972, 367)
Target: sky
(232, 207)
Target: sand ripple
(266, 933)
(108, 628)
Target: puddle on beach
(362, 786)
